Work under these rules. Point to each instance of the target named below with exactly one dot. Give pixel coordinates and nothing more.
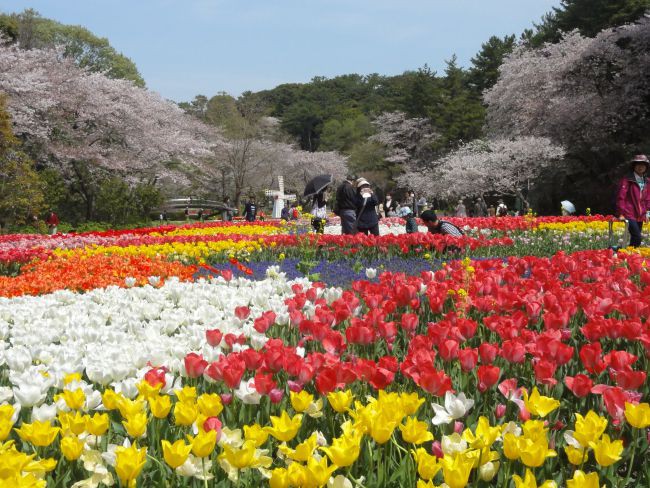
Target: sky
(188, 47)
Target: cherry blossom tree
(499, 166)
(589, 94)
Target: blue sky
(186, 47)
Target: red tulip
(580, 385)
(488, 352)
(544, 371)
(233, 372)
(195, 365)
(590, 355)
(213, 337)
(242, 312)
(435, 382)
(488, 376)
(264, 383)
(448, 350)
(409, 322)
(213, 423)
(156, 376)
(500, 410)
(468, 359)
(275, 395)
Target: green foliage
(485, 65)
(88, 50)
(588, 16)
(119, 204)
(341, 134)
(21, 189)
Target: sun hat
(404, 211)
(361, 182)
(640, 158)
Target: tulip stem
(632, 446)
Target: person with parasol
(317, 190)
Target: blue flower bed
(333, 273)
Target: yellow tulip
(576, 456)
(203, 444)
(303, 451)
(340, 400)
(284, 427)
(129, 462)
(97, 424)
(186, 395)
(70, 377)
(74, 423)
(279, 478)
(185, 413)
(41, 434)
(177, 453)
(5, 428)
(74, 399)
(382, 427)
(297, 475)
(160, 406)
(72, 447)
(456, 468)
(301, 401)
(582, 480)
(415, 431)
(428, 465)
(344, 450)
(318, 472)
(147, 391)
(530, 482)
(511, 446)
(533, 452)
(6, 412)
(13, 462)
(110, 399)
(638, 416)
(539, 405)
(239, 458)
(129, 408)
(40, 467)
(410, 402)
(606, 451)
(589, 428)
(485, 434)
(255, 433)
(136, 425)
(210, 404)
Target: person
(187, 213)
(480, 208)
(412, 202)
(52, 222)
(461, 211)
(367, 219)
(284, 213)
(346, 206)
(199, 215)
(411, 223)
(633, 200)
(492, 211)
(227, 212)
(437, 226)
(502, 210)
(319, 212)
(568, 208)
(250, 211)
(390, 206)
(294, 213)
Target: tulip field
(259, 354)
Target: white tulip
(455, 408)
(29, 395)
(371, 273)
(247, 393)
(452, 444)
(44, 413)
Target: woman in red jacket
(634, 198)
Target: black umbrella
(317, 184)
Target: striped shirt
(449, 229)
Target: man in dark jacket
(250, 211)
(346, 205)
